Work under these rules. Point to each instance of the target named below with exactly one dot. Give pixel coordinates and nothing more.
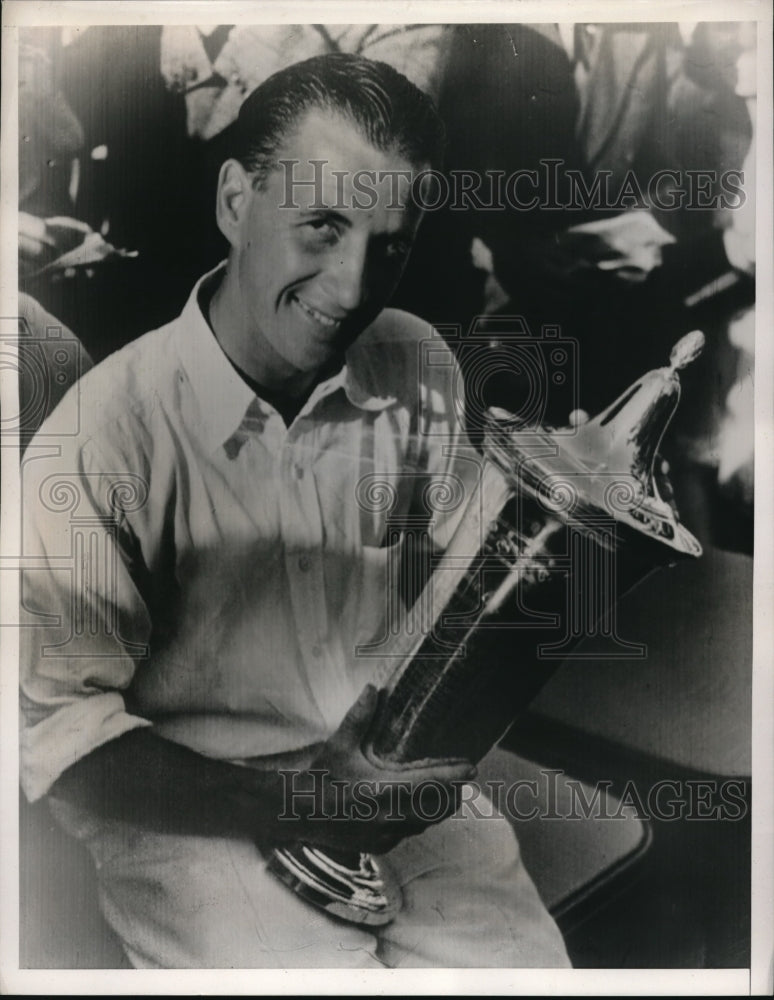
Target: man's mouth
(323, 318)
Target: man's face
(316, 264)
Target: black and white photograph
(386, 498)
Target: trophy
(555, 512)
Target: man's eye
(324, 229)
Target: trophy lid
(607, 463)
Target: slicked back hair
(389, 110)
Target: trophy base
(359, 888)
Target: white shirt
(205, 569)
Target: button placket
(302, 533)
(302, 519)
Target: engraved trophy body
(561, 523)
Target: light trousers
(179, 902)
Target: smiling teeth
(315, 314)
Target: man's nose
(349, 273)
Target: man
(209, 565)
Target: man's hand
(349, 800)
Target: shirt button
(316, 651)
(299, 472)
(304, 564)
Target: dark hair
(389, 110)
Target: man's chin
(322, 359)
(323, 349)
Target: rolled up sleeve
(84, 625)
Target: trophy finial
(686, 350)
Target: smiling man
(209, 562)
(285, 316)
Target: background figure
(624, 275)
(50, 135)
(217, 66)
(50, 147)
(50, 357)
(130, 185)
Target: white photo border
(756, 980)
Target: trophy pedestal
(359, 888)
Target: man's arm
(144, 779)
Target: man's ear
(233, 198)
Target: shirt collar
(222, 398)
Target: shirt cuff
(51, 746)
